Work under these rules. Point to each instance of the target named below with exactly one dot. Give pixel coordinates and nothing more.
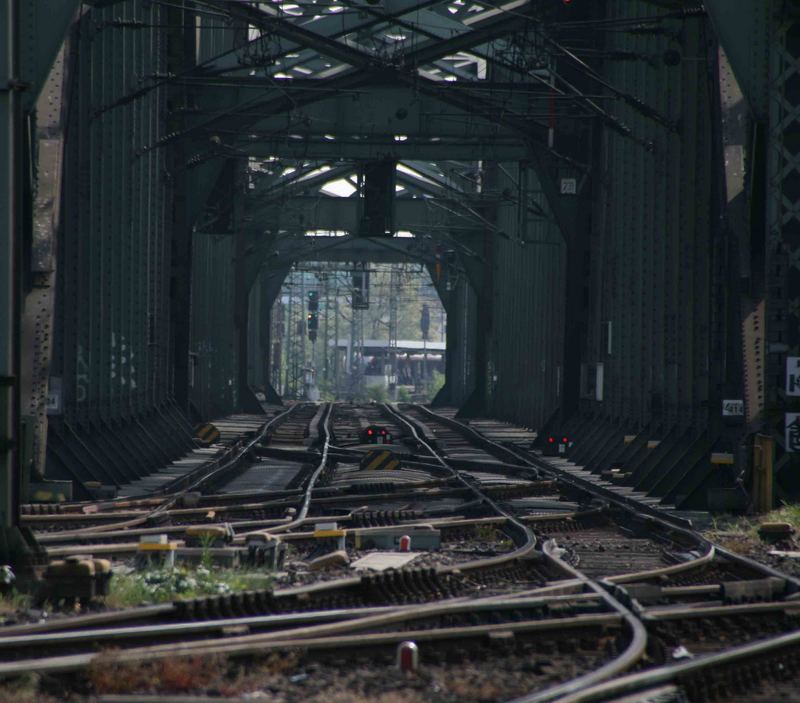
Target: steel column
(11, 139)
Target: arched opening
(358, 331)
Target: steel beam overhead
(604, 194)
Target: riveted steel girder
(483, 149)
(782, 261)
(269, 51)
(383, 109)
(329, 214)
(288, 249)
(31, 34)
(488, 25)
(424, 121)
(10, 192)
(744, 30)
(42, 26)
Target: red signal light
(369, 432)
(565, 440)
(551, 440)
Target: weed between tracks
(740, 535)
(490, 534)
(299, 676)
(12, 602)
(292, 676)
(164, 585)
(741, 532)
(26, 689)
(186, 674)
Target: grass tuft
(14, 601)
(740, 534)
(107, 675)
(165, 585)
(24, 689)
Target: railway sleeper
(383, 518)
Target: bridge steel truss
(571, 165)
(761, 102)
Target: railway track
(559, 587)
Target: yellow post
(763, 450)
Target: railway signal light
(312, 321)
(360, 280)
(556, 445)
(375, 434)
(313, 301)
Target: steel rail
(316, 637)
(415, 611)
(530, 538)
(671, 522)
(632, 654)
(94, 636)
(204, 473)
(637, 681)
(341, 633)
(635, 576)
(132, 546)
(675, 672)
(306, 504)
(707, 611)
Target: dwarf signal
(376, 434)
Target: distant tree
(378, 393)
(437, 383)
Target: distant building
(416, 360)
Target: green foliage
(379, 394)
(206, 561)
(491, 534)
(24, 689)
(403, 394)
(326, 390)
(164, 585)
(741, 533)
(436, 384)
(14, 601)
(409, 289)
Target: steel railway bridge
(606, 192)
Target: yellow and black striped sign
(379, 459)
(206, 433)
